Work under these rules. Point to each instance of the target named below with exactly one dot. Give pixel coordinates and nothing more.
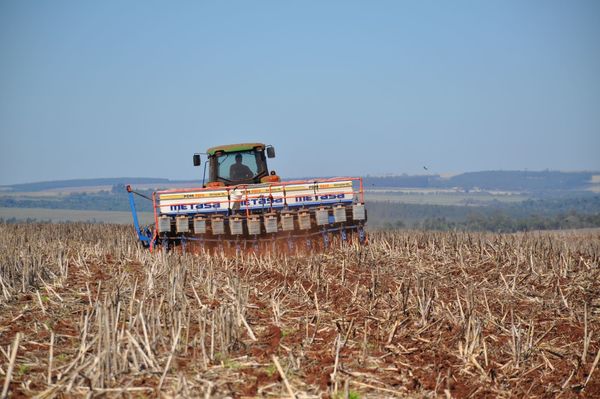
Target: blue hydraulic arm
(144, 236)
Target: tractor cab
(236, 164)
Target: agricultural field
(86, 311)
(443, 197)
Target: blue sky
(134, 88)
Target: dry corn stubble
(412, 313)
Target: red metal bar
(361, 190)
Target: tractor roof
(234, 147)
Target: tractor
(243, 205)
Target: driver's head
(238, 158)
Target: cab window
(238, 166)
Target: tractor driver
(239, 171)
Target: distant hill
(492, 180)
(485, 180)
(522, 180)
(485, 200)
(58, 184)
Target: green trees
(545, 214)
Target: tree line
(542, 214)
